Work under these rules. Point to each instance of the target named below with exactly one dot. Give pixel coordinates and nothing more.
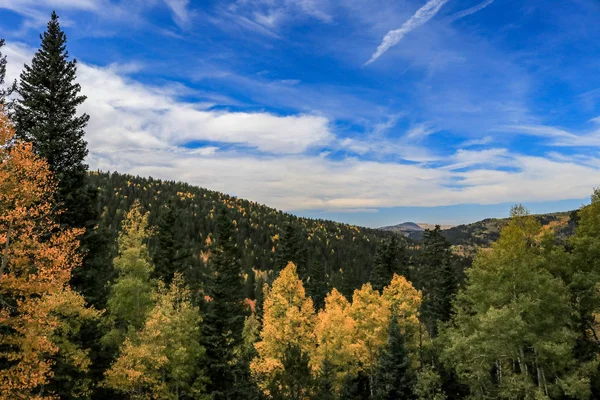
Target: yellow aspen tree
(334, 332)
(38, 310)
(371, 314)
(405, 302)
(160, 362)
(288, 320)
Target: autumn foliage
(38, 309)
(344, 335)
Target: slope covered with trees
(184, 219)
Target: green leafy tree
(394, 378)
(584, 275)
(161, 361)
(429, 385)
(130, 296)
(511, 337)
(225, 311)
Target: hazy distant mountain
(404, 228)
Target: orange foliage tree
(38, 309)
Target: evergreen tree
(356, 387)
(438, 279)
(4, 91)
(46, 115)
(168, 256)
(291, 248)
(225, 311)
(391, 258)
(394, 378)
(294, 380)
(316, 284)
(324, 386)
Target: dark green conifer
(291, 247)
(324, 382)
(225, 311)
(356, 387)
(168, 255)
(438, 279)
(316, 284)
(394, 378)
(46, 115)
(295, 381)
(4, 91)
(390, 258)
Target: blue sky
(372, 112)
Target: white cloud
(392, 38)
(488, 157)
(140, 129)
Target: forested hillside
(265, 238)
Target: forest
(114, 286)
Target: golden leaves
(289, 318)
(346, 334)
(38, 307)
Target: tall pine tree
(291, 248)
(46, 116)
(225, 311)
(391, 258)
(394, 378)
(168, 254)
(4, 91)
(316, 284)
(438, 279)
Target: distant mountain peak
(403, 227)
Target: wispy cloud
(560, 137)
(478, 142)
(392, 38)
(179, 8)
(471, 10)
(271, 14)
(420, 131)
